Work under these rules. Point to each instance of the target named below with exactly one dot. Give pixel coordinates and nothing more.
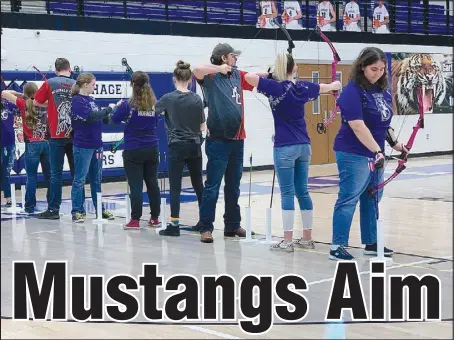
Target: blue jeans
(225, 159)
(355, 178)
(35, 153)
(86, 162)
(7, 165)
(58, 148)
(292, 169)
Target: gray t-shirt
(183, 116)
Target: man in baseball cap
(224, 49)
(223, 86)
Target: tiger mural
(418, 75)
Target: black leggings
(142, 165)
(180, 154)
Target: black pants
(142, 165)
(180, 154)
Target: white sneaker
(310, 244)
(283, 246)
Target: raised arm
(201, 71)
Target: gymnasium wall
(102, 52)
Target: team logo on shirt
(383, 107)
(236, 95)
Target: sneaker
(310, 244)
(240, 232)
(371, 249)
(133, 224)
(78, 218)
(171, 230)
(9, 203)
(283, 246)
(340, 254)
(29, 211)
(206, 237)
(49, 215)
(107, 215)
(154, 222)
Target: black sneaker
(9, 203)
(340, 254)
(49, 215)
(171, 230)
(371, 249)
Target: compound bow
(321, 127)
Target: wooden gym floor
(416, 208)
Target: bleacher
(236, 12)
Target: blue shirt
(374, 107)
(140, 129)
(287, 101)
(9, 110)
(87, 133)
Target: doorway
(320, 109)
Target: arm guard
(391, 137)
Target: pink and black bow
(403, 157)
(321, 127)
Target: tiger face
(420, 80)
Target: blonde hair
(283, 66)
(83, 78)
(30, 111)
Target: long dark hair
(143, 97)
(369, 56)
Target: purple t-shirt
(287, 101)
(9, 110)
(87, 135)
(140, 129)
(374, 107)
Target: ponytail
(30, 110)
(283, 66)
(75, 89)
(30, 114)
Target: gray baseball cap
(223, 49)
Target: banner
(110, 88)
(425, 76)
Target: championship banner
(110, 88)
(430, 72)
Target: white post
(381, 245)
(128, 205)
(163, 213)
(22, 192)
(269, 236)
(14, 209)
(248, 238)
(99, 218)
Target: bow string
(114, 147)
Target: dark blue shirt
(372, 106)
(87, 131)
(224, 96)
(140, 129)
(9, 110)
(287, 101)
